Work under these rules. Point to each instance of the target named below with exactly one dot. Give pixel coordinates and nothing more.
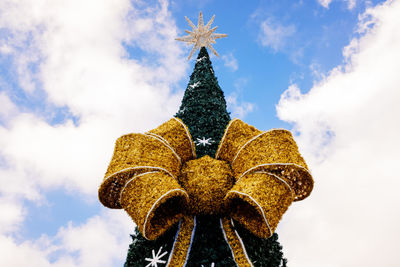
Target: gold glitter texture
(178, 137)
(248, 150)
(163, 148)
(207, 181)
(254, 178)
(155, 201)
(258, 202)
(182, 242)
(237, 133)
(235, 244)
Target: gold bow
(253, 179)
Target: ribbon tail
(235, 243)
(183, 242)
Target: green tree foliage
(141, 248)
(203, 107)
(203, 110)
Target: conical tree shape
(203, 110)
(203, 107)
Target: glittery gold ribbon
(254, 178)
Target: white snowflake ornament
(196, 84)
(200, 59)
(156, 258)
(204, 141)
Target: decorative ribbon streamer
(254, 178)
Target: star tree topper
(201, 35)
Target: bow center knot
(207, 181)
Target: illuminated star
(156, 258)
(204, 141)
(201, 35)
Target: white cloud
(83, 66)
(350, 3)
(230, 61)
(236, 106)
(316, 72)
(101, 241)
(324, 3)
(275, 35)
(74, 53)
(348, 132)
(7, 107)
(12, 214)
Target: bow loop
(248, 150)
(258, 202)
(155, 201)
(270, 174)
(176, 134)
(162, 149)
(237, 133)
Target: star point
(201, 36)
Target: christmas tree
(203, 110)
(205, 190)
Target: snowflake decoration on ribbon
(212, 265)
(201, 35)
(156, 258)
(204, 141)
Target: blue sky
(76, 75)
(308, 41)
